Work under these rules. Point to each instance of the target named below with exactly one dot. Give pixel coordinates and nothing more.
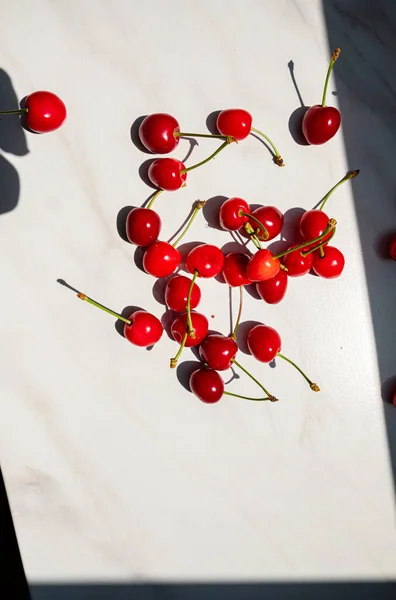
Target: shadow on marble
(242, 334)
(184, 371)
(143, 172)
(211, 122)
(296, 118)
(366, 90)
(211, 211)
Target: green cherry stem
(200, 135)
(271, 399)
(330, 227)
(319, 246)
(347, 177)
(264, 234)
(153, 198)
(191, 330)
(234, 333)
(251, 233)
(20, 111)
(270, 396)
(228, 141)
(173, 361)
(278, 160)
(314, 387)
(200, 204)
(334, 57)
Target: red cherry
(234, 269)
(145, 329)
(297, 264)
(176, 293)
(165, 173)
(392, 248)
(207, 385)
(264, 343)
(329, 266)
(45, 112)
(313, 223)
(235, 122)
(320, 124)
(217, 351)
(157, 133)
(200, 325)
(272, 219)
(273, 290)
(142, 226)
(161, 259)
(394, 399)
(208, 260)
(230, 213)
(263, 265)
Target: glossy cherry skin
(176, 293)
(145, 329)
(143, 226)
(392, 248)
(272, 219)
(234, 269)
(157, 133)
(331, 265)
(217, 351)
(208, 260)
(161, 259)
(262, 266)
(320, 124)
(207, 385)
(46, 112)
(165, 173)
(236, 122)
(200, 325)
(264, 343)
(273, 290)
(230, 216)
(313, 223)
(297, 264)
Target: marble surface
(113, 470)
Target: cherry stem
(153, 198)
(264, 230)
(200, 204)
(319, 246)
(20, 111)
(104, 308)
(201, 135)
(219, 149)
(253, 237)
(173, 361)
(334, 57)
(270, 396)
(314, 387)
(277, 158)
(347, 177)
(330, 227)
(191, 330)
(322, 252)
(234, 333)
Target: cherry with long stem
(347, 177)
(314, 387)
(228, 141)
(333, 59)
(238, 320)
(191, 330)
(278, 160)
(330, 227)
(269, 396)
(200, 204)
(319, 246)
(86, 298)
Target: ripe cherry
(263, 265)
(144, 330)
(321, 122)
(330, 265)
(179, 328)
(161, 259)
(273, 290)
(233, 214)
(207, 385)
(143, 226)
(206, 259)
(218, 351)
(236, 122)
(234, 269)
(392, 247)
(157, 133)
(176, 293)
(43, 112)
(394, 398)
(271, 218)
(298, 264)
(167, 173)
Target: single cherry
(392, 248)
(236, 122)
(313, 223)
(233, 214)
(263, 265)
(271, 218)
(43, 112)
(330, 265)
(218, 351)
(145, 329)
(234, 269)
(157, 133)
(321, 122)
(207, 385)
(167, 174)
(143, 226)
(273, 290)
(298, 264)
(179, 329)
(206, 259)
(161, 259)
(176, 293)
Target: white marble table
(113, 470)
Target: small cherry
(207, 385)
(263, 265)
(297, 262)
(176, 293)
(157, 133)
(273, 290)
(43, 111)
(321, 122)
(143, 226)
(167, 173)
(267, 222)
(218, 351)
(207, 260)
(234, 269)
(328, 263)
(392, 247)
(233, 214)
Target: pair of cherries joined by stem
(43, 112)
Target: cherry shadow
(242, 334)
(138, 258)
(159, 289)
(143, 172)
(211, 211)
(252, 291)
(291, 225)
(296, 118)
(211, 122)
(121, 222)
(134, 134)
(184, 371)
(182, 226)
(381, 244)
(167, 319)
(184, 249)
